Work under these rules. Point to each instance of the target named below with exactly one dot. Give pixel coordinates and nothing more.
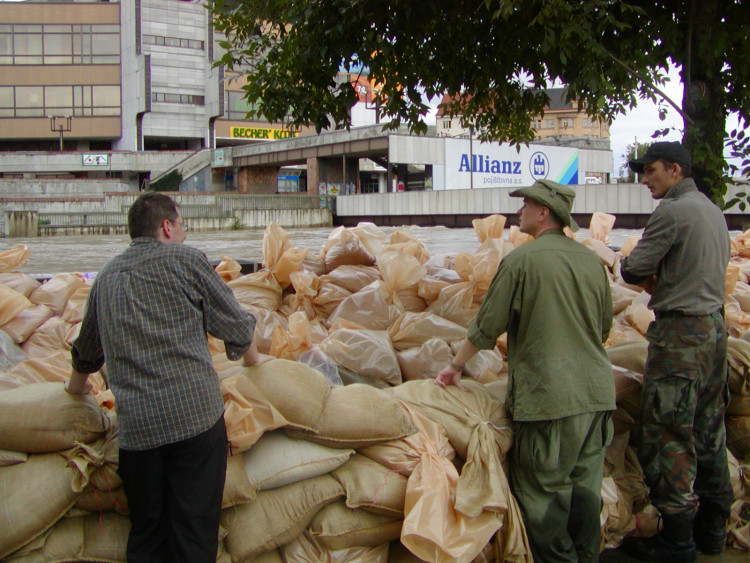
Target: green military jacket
(552, 297)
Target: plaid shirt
(147, 316)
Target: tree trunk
(704, 98)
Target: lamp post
(61, 124)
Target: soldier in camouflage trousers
(681, 261)
(682, 436)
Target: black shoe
(709, 529)
(673, 544)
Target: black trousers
(174, 496)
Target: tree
(632, 151)
(495, 57)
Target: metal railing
(229, 202)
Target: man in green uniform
(681, 261)
(552, 297)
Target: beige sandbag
(35, 495)
(425, 361)
(277, 460)
(266, 323)
(237, 487)
(627, 385)
(258, 289)
(279, 256)
(372, 307)
(738, 526)
(456, 303)
(345, 247)
(306, 286)
(616, 514)
(76, 305)
(95, 464)
(372, 487)
(277, 516)
(601, 225)
(737, 320)
(247, 412)
(339, 527)
(479, 433)
(328, 298)
(95, 500)
(352, 277)
(414, 329)
(404, 241)
(732, 277)
(56, 291)
(356, 416)
(296, 390)
(367, 352)
(622, 297)
(43, 417)
(429, 287)
(305, 548)
(629, 245)
(738, 435)
(629, 355)
(229, 269)
(638, 315)
(8, 457)
(517, 238)
(289, 344)
(403, 455)
(97, 537)
(23, 325)
(14, 258)
(11, 304)
(484, 366)
(491, 226)
(22, 283)
(605, 253)
(51, 336)
(52, 368)
(741, 294)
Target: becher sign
(261, 133)
(95, 159)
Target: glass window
(6, 97)
(59, 97)
(26, 44)
(149, 40)
(172, 42)
(6, 44)
(105, 44)
(28, 28)
(56, 28)
(103, 28)
(29, 96)
(106, 96)
(194, 44)
(6, 28)
(58, 44)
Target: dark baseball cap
(671, 151)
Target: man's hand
(78, 384)
(448, 376)
(649, 284)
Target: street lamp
(61, 124)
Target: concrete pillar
(22, 224)
(313, 175)
(258, 180)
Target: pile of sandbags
(387, 467)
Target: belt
(680, 314)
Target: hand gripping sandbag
(43, 417)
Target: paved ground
(728, 556)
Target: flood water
(88, 253)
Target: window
(42, 101)
(59, 44)
(188, 99)
(238, 105)
(446, 124)
(549, 123)
(173, 42)
(567, 122)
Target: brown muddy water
(88, 253)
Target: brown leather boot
(673, 544)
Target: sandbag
(367, 352)
(50, 337)
(11, 304)
(11, 353)
(297, 391)
(352, 277)
(76, 305)
(228, 269)
(601, 225)
(22, 283)
(277, 516)
(622, 297)
(266, 323)
(237, 487)
(259, 289)
(26, 322)
(56, 291)
(425, 361)
(97, 537)
(414, 329)
(629, 355)
(356, 416)
(43, 417)
(345, 247)
(8, 457)
(605, 253)
(279, 256)
(339, 527)
(371, 486)
(307, 549)
(738, 435)
(277, 460)
(328, 298)
(372, 307)
(14, 258)
(247, 412)
(35, 495)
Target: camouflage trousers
(684, 398)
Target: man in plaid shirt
(147, 316)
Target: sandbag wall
(341, 450)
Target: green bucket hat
(558, 198)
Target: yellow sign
(261, 134)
